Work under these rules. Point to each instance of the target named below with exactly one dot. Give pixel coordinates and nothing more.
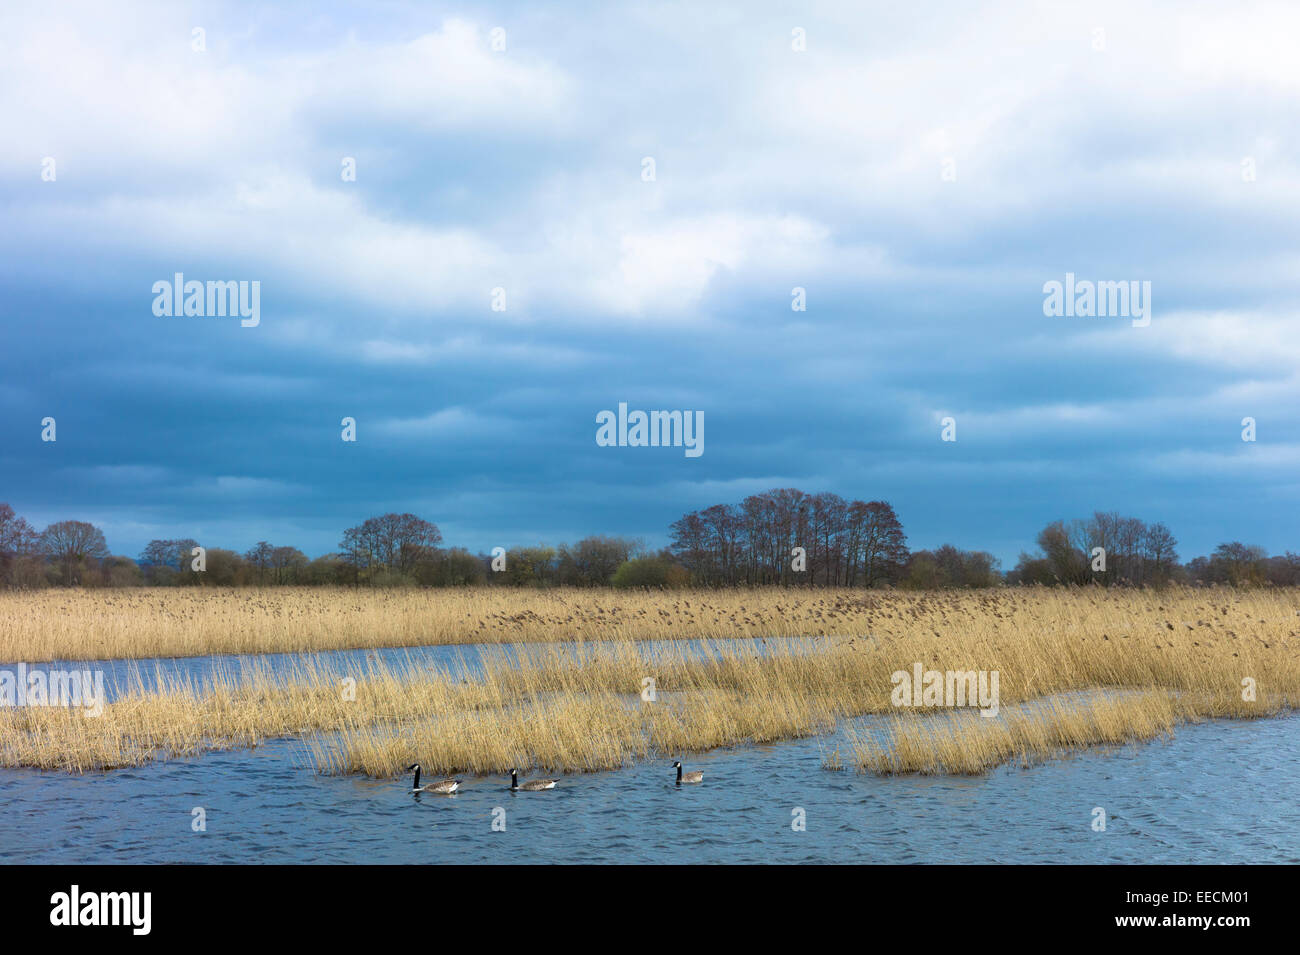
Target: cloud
(469, 348)
(446, 424)
(521, 169)
(243, 486)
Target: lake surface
(1220, 792)
(460, 660)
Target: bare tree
(391, 542)
(259, 556)
(847, 544)
(70, 544)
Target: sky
(920, 173)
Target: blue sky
(1117, 155)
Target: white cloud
(446, 78)
(446, 424)
(124, 473)
(465, 348)
(233, 485)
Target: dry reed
(970, 745)
(577, 708)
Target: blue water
(458, 660)
(1218, 792)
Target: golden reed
(579, 707)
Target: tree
(71, 544)
(1032, 570)
(287, 563)
(754, 543)
(691, 543)
(225, 568)
(1136, 554)
(827, 519)
(924, 572)
(659, 572)
(1284, 571)
(455, 567)
(121, 572)
(169, 561)
(329, 569)
(1240, 564)
(879, 548)
(17, 537)
(528, 566)
(259, 557)
(593, 560)
(395, 543)
(950, 566)
(19, 545)
(1159, 548)
(1069, 564)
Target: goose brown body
(532, 786)
(694, 776)
(443, 787)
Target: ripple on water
(1217, 792)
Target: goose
(442, 787)
(694, 776)
(532, 786)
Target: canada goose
(532, 786)
(442, 787)
(694, 776)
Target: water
(459, 660)
(1221, 792)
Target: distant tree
(455, 567)
(1067, 561)
(120, 572)
(160, 553)
(1136, 554)
(1159, 550)
(169, 561)
(528, 567)
(879, 550)
(1030, 570)
(1240, 564)
(924, 572)
(186, 574)
(827, 522)
(1284, 571)
(593, 560)
(226, 568)
(843, 544)
(950, 566)
(981, 569)
(657, 572)
(287, 563)
(19, 550)
(391, 543)
(17, 537)
(72, 546)
(259, 557)
(329, 569)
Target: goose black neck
(416, 784)
(514, 779)
(679, 773)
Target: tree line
(843, 543)
(782, 537)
